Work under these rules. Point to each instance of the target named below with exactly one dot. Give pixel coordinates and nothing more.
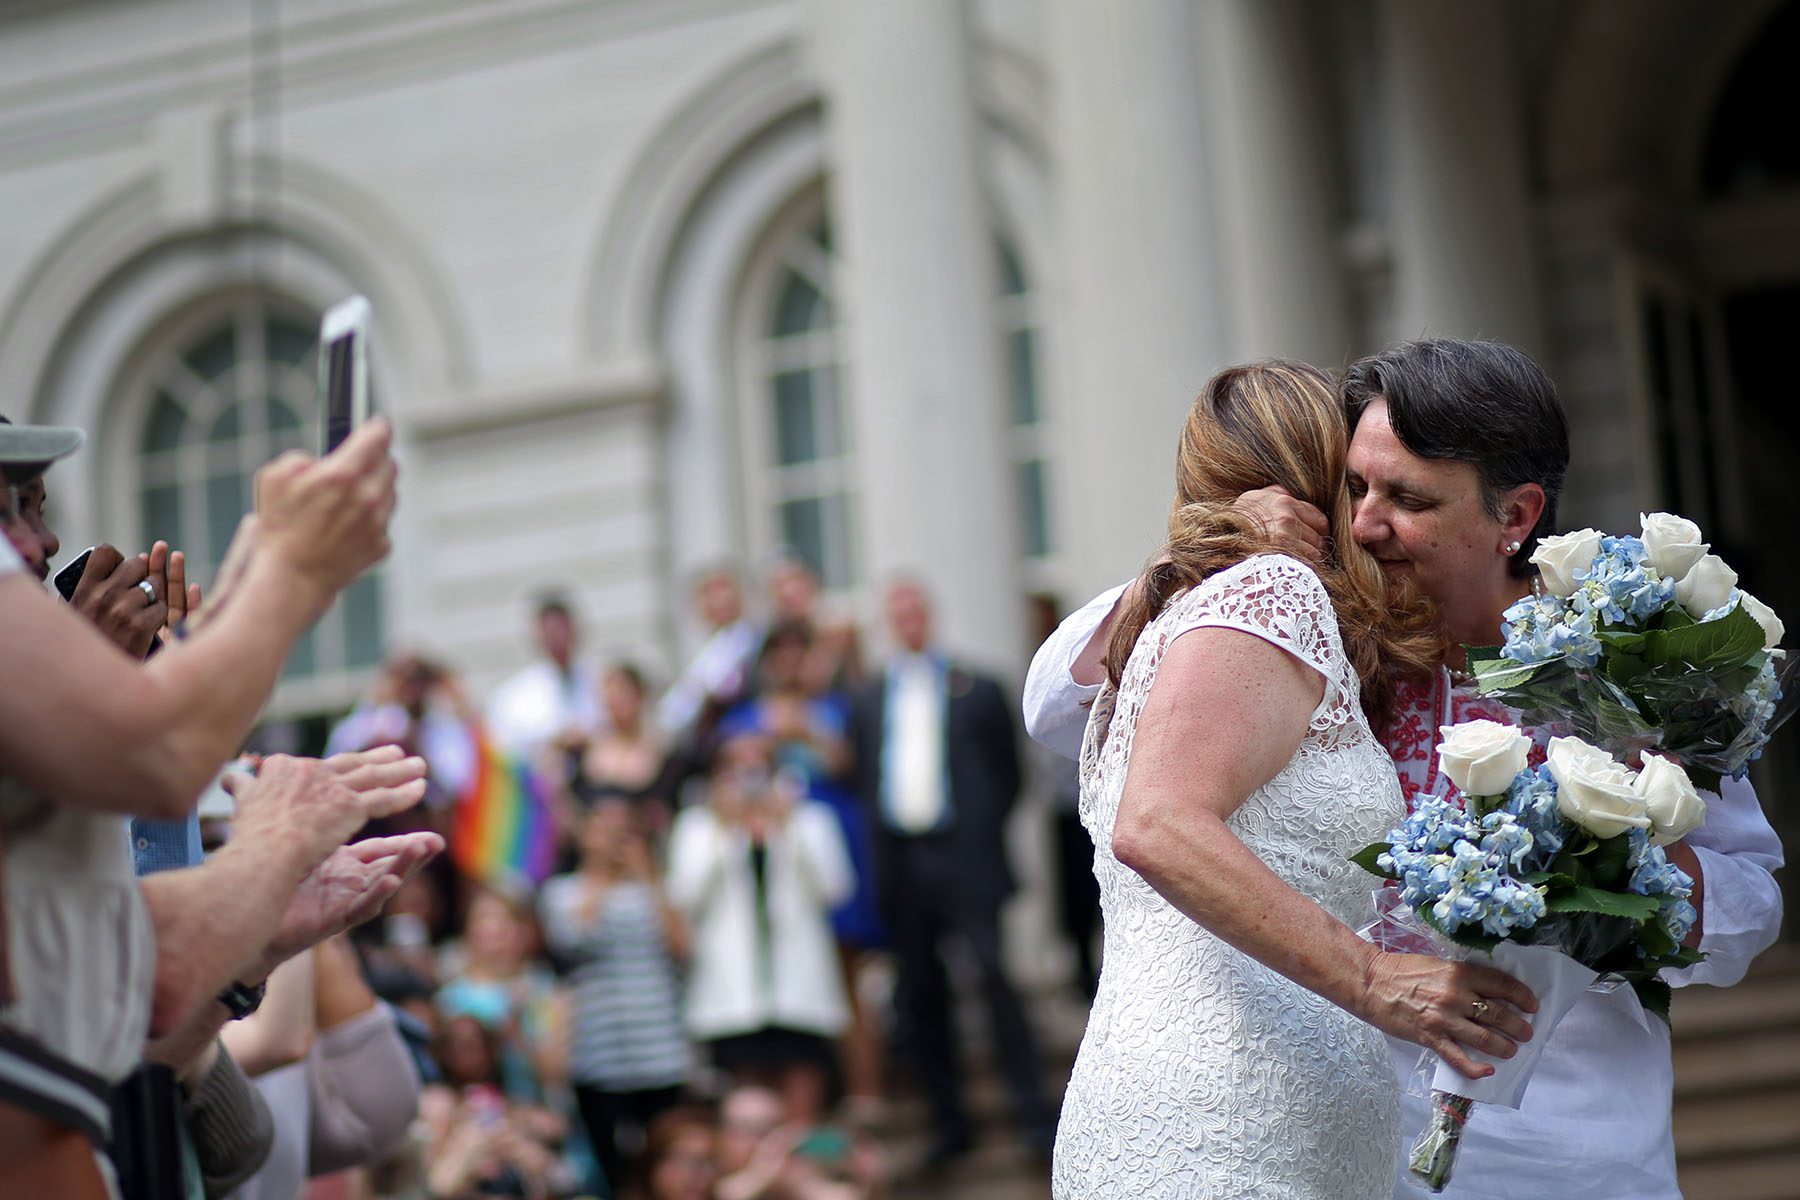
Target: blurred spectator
(834, 663)
(762, 1158)
(757, 870)
(419, 706)
(498, 985)
(680, 1160)
(552, 702)
(612, 926)
(938, 760)
(476, 1143)
(627, 760)
(808, 734)
(719, 674)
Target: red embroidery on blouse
(1411, 736)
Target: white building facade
(921, 286)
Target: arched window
(1750, 146)
(220, 405)
(807, 442)
(803, 433)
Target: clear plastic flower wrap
(1559, 880)
(1618, 653)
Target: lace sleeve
(1280, 600)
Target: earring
(1512, 547)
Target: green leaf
(1654, 995)
(1675, 617)
(1481, 654)
(1610, 856)
(1550, 879)
(1596, 900)
(1623, 640)
(1365, 858)
(1497, 674)
(1729, 641)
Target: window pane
(796, 420)
(162, 515)
(839, 570)
(286, 342)
(803, 532)
(214, 354)
(167, 426)
(1021, 369)
(303, 660)
(228, 426)
(1012, 275)
(282, 419)
(800, 308)
(362, 621)
(227, 500)
(1034, 512)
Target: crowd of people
(262, 977)
(756, 874)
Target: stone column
(937, 495)
(1459, 194)
(1137, 327)
(1275, 182)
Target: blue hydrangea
(1532, 800)
(1456, 865)
(1755, 705)
(1539, 628)
(1619, 587)
(1652, 874)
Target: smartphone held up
(344, 369)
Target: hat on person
(36, 445)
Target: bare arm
(1240, 706)
(281, 1031)
(290, 820)
(99, 731)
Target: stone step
(1744, 1062)
(1757, 1003)
(1772, 1176)
(1720, 1127)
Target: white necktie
(916, 792)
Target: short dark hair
(1483, 403)
(553, 604)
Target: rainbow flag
(503, 830)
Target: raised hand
(112, 595)
(1448, 1006)
(327, 518)
(348, 888)
(308, 806)
(1295, 525)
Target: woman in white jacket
(758, 870)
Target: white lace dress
(1204, 1073)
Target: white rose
(1558, 558)
(1481, 757)
(1673, 543)
(1593, 789)
(1772, 628)
(1706, 586)
(1675, 809)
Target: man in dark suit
(938, 767)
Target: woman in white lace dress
(1235, 1046)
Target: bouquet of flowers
(1554, 874)
(1642, 643)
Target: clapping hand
(348, 888)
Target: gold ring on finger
(1478, 1010)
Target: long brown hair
(1261, 425)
